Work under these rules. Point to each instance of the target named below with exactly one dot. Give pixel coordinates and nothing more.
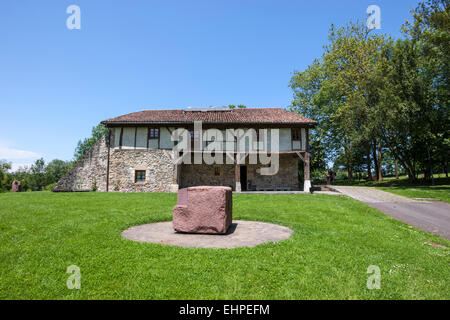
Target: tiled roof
(232, 116)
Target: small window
(296, 135)
(153, 133)
(217, 171)
(139, 176)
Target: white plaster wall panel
(128, 138)
(165, 138)
(153, 143)
(285, 139)
(117, 137)
(141, 137)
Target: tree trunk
(444, 164)
(374, 154)
(396, 169)
(348, 157)
(411, 173)
(405, 162)
(369, 162)
(379, 160)
(430, 165)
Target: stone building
(141, 149)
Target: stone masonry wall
(204, 174)
(287, 175)
(157, 164)
(89, 172)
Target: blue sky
(56, 83)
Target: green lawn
(335, 239)
(437, 192)
(404, 187)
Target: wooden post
(237, 177)
(178, 177)
(306, 168)
(121, 138)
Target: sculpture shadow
(231, 229)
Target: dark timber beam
(237, 177)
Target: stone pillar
(237, 177)
(176, 178)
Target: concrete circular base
(240, 234)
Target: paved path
(433, 216)
(240, 234)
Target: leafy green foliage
(85, 145)
(4, 176)
(239, 106)
(56, 169)
(38, 176)
(378, 99)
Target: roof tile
(232, 116)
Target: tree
(4, 167)
(85, 145)
(338, 91)
(430, 31)
(318, 155)
(37, 178)
(415, 96)
(56, 169)
(351, 59)
(375, 98)
(314, 100)
(239, 106)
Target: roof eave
(118, 123)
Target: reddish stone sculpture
(16, 186)
(203, 209)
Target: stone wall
(157, 164)
(89, 173)
(203, 174)
(287, 175)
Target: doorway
(243, 178)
